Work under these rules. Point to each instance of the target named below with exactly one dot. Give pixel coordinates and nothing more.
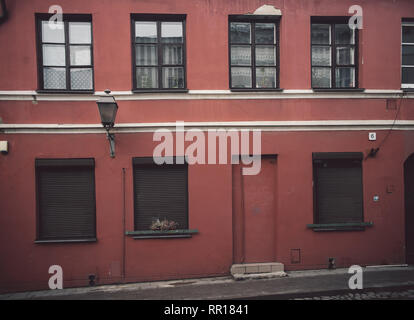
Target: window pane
(146, 55)
(80, 32)
(265, 33)
(173, 54)
(240, 32)
(172, 32)
(241, 55)
(408, 75)
(265, 77)
(345, 77)
(321, 77)
(54, 55)
(54, 78)
(321, 56)
(265, 55)
(344, 55)
(80, 55)
(173, 77)
(145, 32)
(81, 79)
(321, 34)
(344, 34)
(147, 78)
(53, 32)
(408, 55)
(241, 77)
(408, 34)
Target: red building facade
(303, 208)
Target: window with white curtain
(159, 52)
(407, 51)
(334, 55)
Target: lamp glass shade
(107, 109)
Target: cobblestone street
(371, 295)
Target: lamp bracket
(111, 138)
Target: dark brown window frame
(320, 157)
(45, 163)
(66, 18)
(149, 162)
(332, 21)
(252, 19)
(158, 18)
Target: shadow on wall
(3, 11)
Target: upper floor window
(407, 48)
(254, 52)
(334, 54)
(65, 59)
(158, 46)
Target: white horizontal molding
(314, 125)
(30, 95)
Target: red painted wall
(207, 47)
(25, 264)
(210, 252)
(86, 112)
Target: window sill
(65, 91)
(67, 241)
(160, 91)
(356, 226)
(255, 90)
(161, 234)
(338, 89)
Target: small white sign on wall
(4, 148)
(372, 136)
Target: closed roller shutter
(66, 199)
(338, 190)
(160, 192)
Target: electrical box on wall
(4, 147)
(372, 136)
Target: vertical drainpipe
(243, 219)
(123, 225)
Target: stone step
(257, 270)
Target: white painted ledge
(314, 125)
(30, 95)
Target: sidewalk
(296, 284)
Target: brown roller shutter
(160, 192)
(65, 199)
(338, 190)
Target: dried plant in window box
(163, 225)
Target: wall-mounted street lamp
(107, 109)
